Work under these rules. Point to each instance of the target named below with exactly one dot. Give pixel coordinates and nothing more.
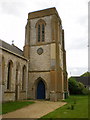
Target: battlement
(42, 13)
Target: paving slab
(36, 110)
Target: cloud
(76, 71)
(76, 35)
(77, 43)
(83, 20)
(77, 58)
(11, 8)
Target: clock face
(39, 51)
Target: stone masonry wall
(40, 62)
(33, 79)
(9, 95)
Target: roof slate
(84, 80)
(11, 48)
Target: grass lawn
(76, 107)
(12, 106)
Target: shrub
(73, 86)
(76, 87)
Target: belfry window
(40, 31)
(43, 32)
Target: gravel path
(36, 110)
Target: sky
(74, 16)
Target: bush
(73, 86)
(76, 87)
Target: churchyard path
(36, 110)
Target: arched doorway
(40, 90)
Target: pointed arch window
(23, 77)
(9, 75)
(3, 70)
(40, 31)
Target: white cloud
(77, 58)
(76, 71)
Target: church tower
(44, 48)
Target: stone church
(39, 71)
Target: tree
(86, 74)
(76, 87)
(73, 86)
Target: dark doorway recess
(40, 90)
